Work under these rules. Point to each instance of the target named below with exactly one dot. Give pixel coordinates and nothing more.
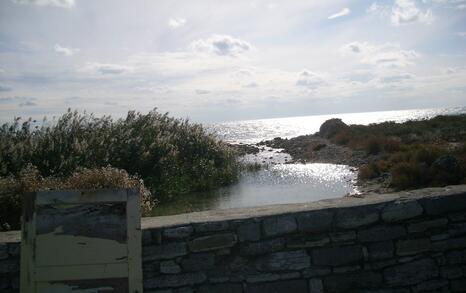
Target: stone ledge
(273, 210)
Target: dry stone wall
(404, 242)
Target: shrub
(30, 180)
(171, 155)
(369, 171)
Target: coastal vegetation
(166, 157)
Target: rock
(343, 236)
(164, 251)
(169, 267)
(278, 287)
(178, 232)
(331, 127)
(398, 211)
(249, 232)
(315, 221)
(283, 261)
(355, 217)
(263, 247)
(223, 288)
(212, 242)
(198, 262)
(381, 250)
(337, 256)
(316, 286)
(381, 233)
(279, 225)
(444, 204)
(412, 246)
(211, 226)
(447, 163)
(170, 281)
(426, 225)
(352, 282)
(411, 273)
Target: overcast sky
(230, 60)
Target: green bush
(171, 155)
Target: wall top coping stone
(281, 209)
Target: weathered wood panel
(81, 241)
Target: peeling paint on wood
(81, 241)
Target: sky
(230, 60)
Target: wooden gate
(81, 241)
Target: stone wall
(404, 242)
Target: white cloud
(222, 45)
(385, 55)
(202, 92)
(310, 80)
(55, 3)
(379, 9)
(176, 22)
(64, 50)
(343, 12)
(105, 68)
(406, 11)
(461, 34)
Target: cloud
(64, 50)
(379, 9)
(458, 4)
(251, 85)
(385, 55)
(222, 45)
(176, 22)
(396, 78)
(461, 34)
(27, 104)
(202, 92)
(343, 12)
(406, 12)
(106, 68)
(53, 3)
(5, 89)
(309, 80)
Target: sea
(281, 183)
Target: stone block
(426, 225)
(355, 217)
(315, 221)
(337, 256)
(432, 286)
(316, 271)
(381, 250)
(3, 251)
(212, 242)
(412, 246)
(308, 240)
(453, 243)
(211, 227)
(343, 236)
(174, 281)
(178, 232)
(411, 273)
(399, 211)
(444, 204)
(381, 233)
(262, 247)
(164, 251)
(352, 282)
(14, 249)
(451, 272)
(458, 229)
(221, 288)
(9, 266)
(284, 261)
(169, 267)
(278, 287)
(198, 262)
(316, 286)
(274, 226)
(456, 257)
(249, 232)
(458, 285)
